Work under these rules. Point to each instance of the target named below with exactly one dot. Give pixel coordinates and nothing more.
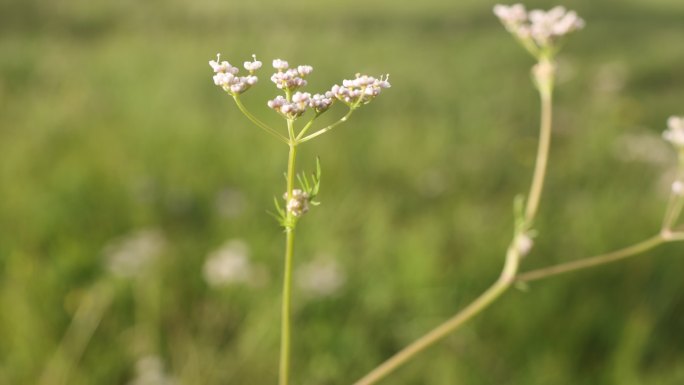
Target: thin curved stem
(542, 155)
(307, 126)
(676, 200)
(435, 335)
(598, 260)
(326, 129)
(258, 122)
(544, 82)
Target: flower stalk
(291, 106)
(537, 31)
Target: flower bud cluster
(360, 90)
(226, 76)
(523, 244)
(299, 102)
(298, 204)
(542, 28)
(321, 102)
(675, 131)
(289, 78)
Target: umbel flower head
(360, 90)
(289, 78)
(225, 75)
(294, 103)
(675, 132)
(300, 101)
(538, 30)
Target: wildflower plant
(294, 105)
(541, 33)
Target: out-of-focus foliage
(111, 130)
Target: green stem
(676, 200)
(596, 260)
(545, 93)
(510, 269)
(435, 335)
(285, 327)
(307, 126)
(258, 122)
(326, 129)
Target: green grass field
(110, 124)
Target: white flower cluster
(675, 131)
(542, 28)
(298, 205)
(225, 75)
(289, 78)
(228, 265)
(150, 371)
(300, 101)
(362, 89)
(321, 277)
(133, 255)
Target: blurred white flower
(149, 370)
(643, 147)
(538, 27)
(229, 265)
(131, 255)
(675, 131)
(321, 277)
(524, 244)
(678, 188)
(280, 65)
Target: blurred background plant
(108, 134)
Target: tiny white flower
(280, 65)
(513, 14)
(361, 90)
(226, 76)
(253, 65)
(304, 70)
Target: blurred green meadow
(112, 132)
